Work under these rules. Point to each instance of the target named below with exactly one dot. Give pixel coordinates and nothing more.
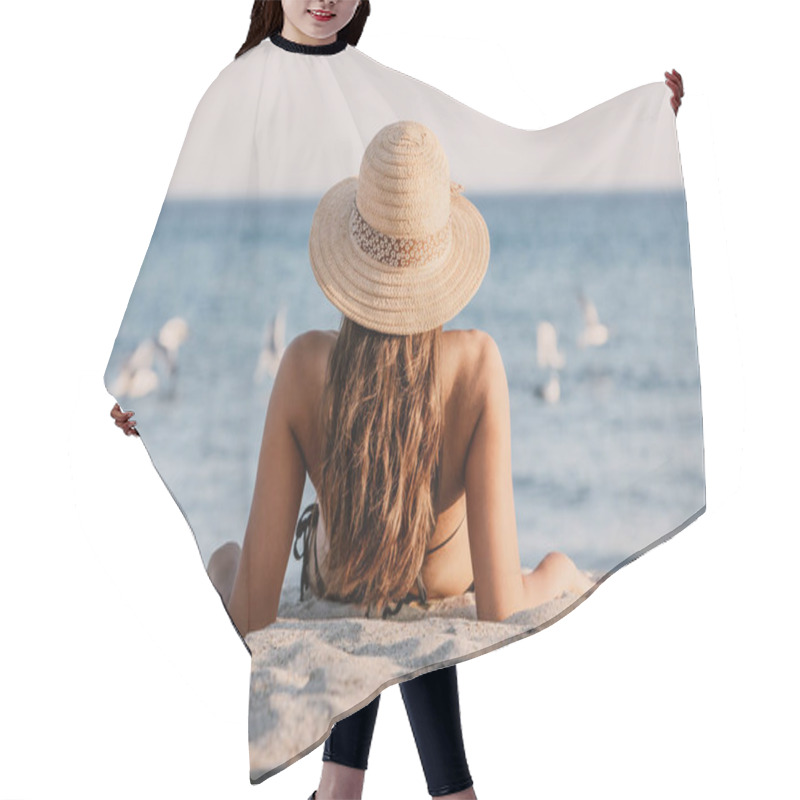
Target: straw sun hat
(398, 249)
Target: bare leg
(555, 575)
(222, 568)
(339, 782)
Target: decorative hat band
(395, 251)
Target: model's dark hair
(266, 18)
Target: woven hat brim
(390, 299)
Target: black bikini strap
(306, 530)
(442, 544)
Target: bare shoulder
(477, 377)
(307, 348)
(476, 358)
(304, 362)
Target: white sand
(321, 661)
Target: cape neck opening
(308, 49)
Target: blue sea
(613, 466)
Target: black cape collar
(308, 49)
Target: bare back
(448, 570)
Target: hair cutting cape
(588, 295)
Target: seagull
(547, 354)
(137, 377)
(172, 335)
(594, 332)
(551, 391)
(272, 346)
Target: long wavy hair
(266, 18)
(382, 420)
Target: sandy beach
(321, 661)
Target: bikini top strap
(422, 597)
(306, 530)
(442, 544)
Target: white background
(120, 673)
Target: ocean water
(612, 467)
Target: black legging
(432, 706)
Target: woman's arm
(492, 527)
(276, 503)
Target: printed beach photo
(583, 310)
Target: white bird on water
(550, 392)
(547, 354)
(172, 335)
(272, 347)
(137, 377)
(594, 332)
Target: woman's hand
(122, 419)
(675, 82)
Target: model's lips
(321, 15)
